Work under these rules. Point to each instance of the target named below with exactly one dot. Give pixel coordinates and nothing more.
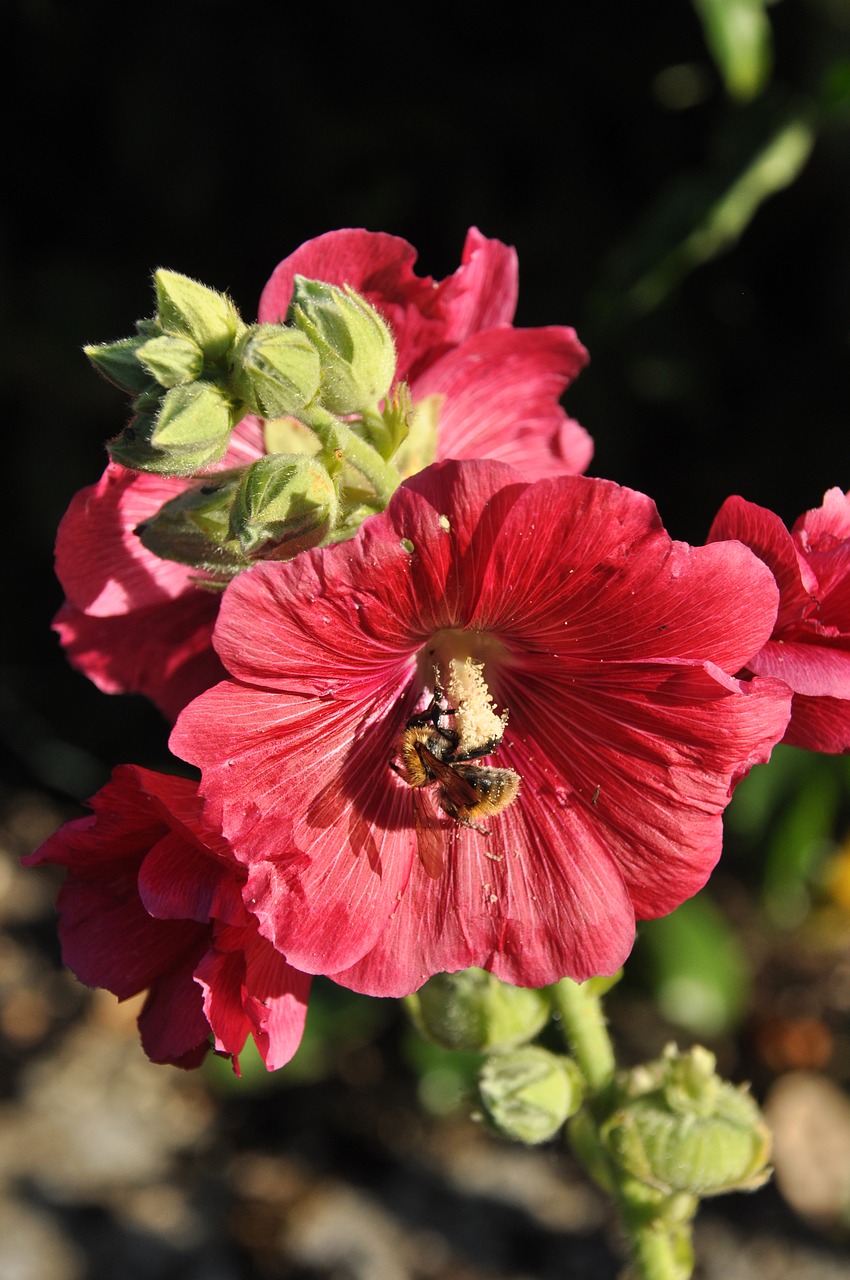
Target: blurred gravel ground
(113, 1167)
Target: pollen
(476, 720)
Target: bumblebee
(465, 791)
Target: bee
(465, 791)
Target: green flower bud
(473, 1010)
(190, 431)
(191, 310)
(355, 345)
(285, 504)
(530, 1093)
(119, 362)
(275, 371)
(171, 360)
(194, 528)
(271, 510)
(680, 1128)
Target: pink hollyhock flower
(569, 607)
(153, 902)
(134, 623)
(810, 645)
(500, 386)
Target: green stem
(383, 478)
(586, 1031)
(658, 1253)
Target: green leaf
(739, 36)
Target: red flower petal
(810, 645)
(501, 390)
(164, 652)
(275, 1010)
(819, 724)
(766, 535)
(153, 900)
(134, 623)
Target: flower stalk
(657, 1252)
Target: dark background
(213, 138)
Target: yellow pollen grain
(476, 719)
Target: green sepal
(171, 359)
(271, 510)
(275, 371)
(474, 1010)
(186, 307)
(679, 1128)
(417, 446)
(355, 346)
(194, 527)
(530, 1093)
(190, 432)
(193, 416)
(119, 363)
(149, 401)
(285, 504)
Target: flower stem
(659, 1251)
(333, 433)
(382, 476)
(586, 1031)
(656, 1252)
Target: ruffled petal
(249, 989)
(327, 851)
(164, 652)
(766, 535)
(501, 389)
(172, 1024)
(810, 669)
(819, 724)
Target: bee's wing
(429, 833)
(455, 780)
(460, 794)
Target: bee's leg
(467, 822)
(462, 822)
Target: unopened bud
(285, 504)
(171, 359)
(119, 362)
(275, 371)
(194, 527)
(355, 345)
(530, 1093)
(190, 309)
(681, 1128)
(189, 432)
(473, 1010)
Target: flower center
(457, 671)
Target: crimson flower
(610, 646)
(153, 902)
(810, 645)
(134, 623)
(499, 386)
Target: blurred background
(676, 180)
